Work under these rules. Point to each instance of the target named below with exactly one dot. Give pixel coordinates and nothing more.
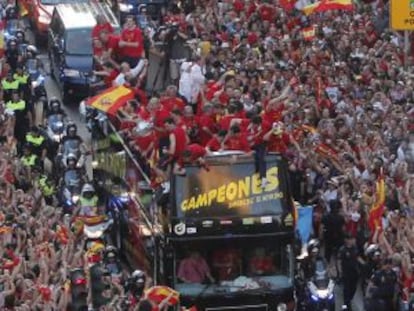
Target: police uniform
(37, 143)
(9, 87)
(385, 281)
(350, 274)
(88, 206)
(47, 189)
(24, 84)
(20, 110)
(30, 160)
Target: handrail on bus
(136, 199)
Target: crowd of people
(338, 105)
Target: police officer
(382, 288)
(22, 114)
(348, 261)
(308, 264)
(23, 78)
(12, 54)
(44, 184)
(88, 201)
(55, 108)
(29, 159)
(38, 142)
(9, 85)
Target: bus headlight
(281, 307)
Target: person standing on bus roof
(131, 43)
(101, 25)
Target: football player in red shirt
(131, 42)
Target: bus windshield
(231, 267)
(230, 190)
(79, 42)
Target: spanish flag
(328, 5)
(327, 152)
(158, 294)
(309, 33)
(377, 209)
(110, 100)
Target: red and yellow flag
(327, 152)
(309, 33)
(111, 99)
(377, 209)
(158, 294)
(328, 5)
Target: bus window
(233, 267)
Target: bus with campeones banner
(228, 241)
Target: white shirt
(191, 81)
(134, 72)
(184, 87)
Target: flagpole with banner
(304, 226)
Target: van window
(78, 42)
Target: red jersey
(225, 121)
(180, 141)
(96, 31)
(111, 77)
(132, 35)
(159, 119)
(171, 103)
(209, 123)
(274, 115)
(261, 264)
(237, 142)
(279, 143)
(144, 142)
(213, 144)
(197, 151)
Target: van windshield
(78, 42)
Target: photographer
(170, 43)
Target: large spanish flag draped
(376, 211)
(328, 5)
(111, 99)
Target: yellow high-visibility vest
(20, 105)
(10, 85)
(21, 79)
(36, 141)
(29, 160)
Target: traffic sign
(402, 14)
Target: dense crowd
(338, 105)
